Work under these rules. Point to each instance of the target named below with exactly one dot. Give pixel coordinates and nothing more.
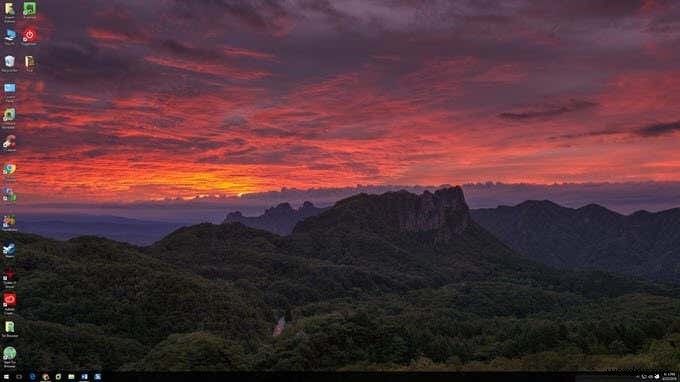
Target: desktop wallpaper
(347, 185)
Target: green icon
(9, 353)
(9, 326)
(10, 114)
(29, 8)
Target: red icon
(9, 299)
(8, 274)
(29, 35)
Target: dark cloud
(266, 14)
(596, 133)
(647, 131)
(553, 111)
(181, 49)
(659, 129)
(100, 140)
(583, 9)
(83, 61)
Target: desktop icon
(8, 274)
(9, 142)
(9, 9)
(9, 169)
(29, 35)
(29, 62)
(10, 88)
(45, 377)
(9, 248)
(97, 376)
(9, 299)
(10, 35)
(32, 376)
(9, 326)
(9, 61)
(71, 377)
(8, 195)
(57, 377)
(9, 353)
(83, 377)
(9, 222)
(29, 8)
(9, 115)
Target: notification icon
(9, 299)
(29, 35)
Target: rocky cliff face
(444, 210)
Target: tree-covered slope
(643, 244)
(396, 281)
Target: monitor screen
(465, 190)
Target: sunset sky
(136, 100)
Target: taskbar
(611, 376)
(52, 377)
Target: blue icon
(10, 35)
(10, 88)
(97, 376)
(83, 377)
(9, 248)
(32, 376)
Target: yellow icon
(29, 61)
(9, 9)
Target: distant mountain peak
(538, 204)
(597, 210)
(445, 212)
(280, 209)
(643, 244)
(279, 219)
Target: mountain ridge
(280, 219)
(644, 244)
(590, 223)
